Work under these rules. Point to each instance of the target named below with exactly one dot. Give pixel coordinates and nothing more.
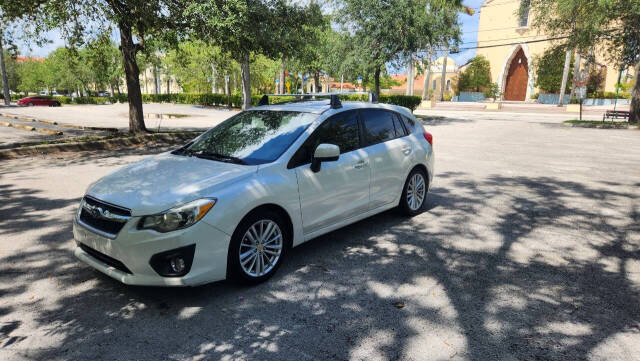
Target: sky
(469, 37)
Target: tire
(29, 104)
(56, 104)
(416, 205)
(254, 244)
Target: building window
(448, 84)
(523, 21)
(435, 82)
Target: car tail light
(428, 137)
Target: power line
(508, 44)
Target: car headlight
(179, 217)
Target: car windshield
(251, 137)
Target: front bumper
(134, 249)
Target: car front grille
(105, 259)
(103, 217)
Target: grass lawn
(598, 123)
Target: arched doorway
(517, 77)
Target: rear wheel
(258, 247)
(414, 193)
(29, 104)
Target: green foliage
(387, 31)
(534, 96)
(493, 92)
(608, 95)
(476, 77)
(549, 69)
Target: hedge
(234, 100)
(608, 95)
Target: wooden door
(517, 78)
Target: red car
(38, 100)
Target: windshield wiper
(219, 157)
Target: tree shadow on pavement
(498, 268)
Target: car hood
(164, 181)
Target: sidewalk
(515, 110)
(163, 116)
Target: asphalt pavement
(529, 250)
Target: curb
(31, 128)
(167, 138)
(52, 122)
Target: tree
(246, 27)
(613, 25)
(135, 19)
(549, 70)
(389, 31)
(476, 77)
(34, 76)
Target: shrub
(447, 97)
(476, 77)
(608, 95)
(534, 96)
(574, 100)
(493, 92)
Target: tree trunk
(316, 83)
(427, 75)
(409, 76)
(443, 79)
(246, 82)
(565, 75)
(282, 87)
(111, 86)
(226, 86)
(118, 89)
(132, 76)
(168, 84)
(5, 79)
(376, 82)
(214, 79)
(156, 83)
(634, 111)
(576, 70)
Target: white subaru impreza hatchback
(235, 200)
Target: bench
(614, 114)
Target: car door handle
(407, 150)
(360, 164)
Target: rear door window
(397, 123)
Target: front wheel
(414, 193)
(257, 247)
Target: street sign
(581, 92)
(226, 78)
(359, 80)
(277, 81)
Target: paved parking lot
(530, 249)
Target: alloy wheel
(260, 248)
(416, 191)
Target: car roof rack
(334, 101)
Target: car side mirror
(324, 153)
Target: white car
(235, 200)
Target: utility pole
(565, 75)
(444, 73)
(5, 79)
